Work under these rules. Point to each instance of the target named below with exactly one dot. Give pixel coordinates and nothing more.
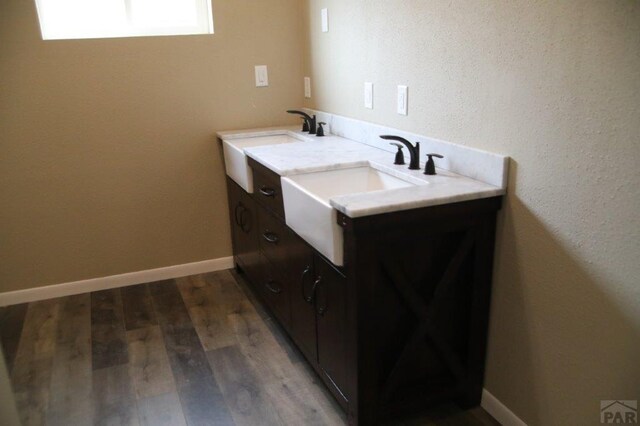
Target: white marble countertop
(313, 154)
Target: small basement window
(70, 19)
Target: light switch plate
(307, 87)
(402, 100)
(368, 95)
(325, 20)
(262, 76)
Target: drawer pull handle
(245, 224)
(316, 284)
(270, 237)
(320, 310)
(274, 290)
(238, 212)
(240, 217)
(267, 192)
(308, 299)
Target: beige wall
(556, 86)
(107, 156)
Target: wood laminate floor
(197, 350)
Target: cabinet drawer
(266, 188)
(275, 239)
(275, 289)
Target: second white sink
(307, 209)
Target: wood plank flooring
(198, 350)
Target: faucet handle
(399, 154)
(430, 168)
(305, 124)
(320, 130)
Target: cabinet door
(303, 316)
(331, 303)
(244, 230)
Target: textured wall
(107, 156)
(556, 86)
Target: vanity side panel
(420, 307)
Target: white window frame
(203, 26)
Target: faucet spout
(311, 121)
(414, 151)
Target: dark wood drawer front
(267, 190)
(275, 239)
(276, 291)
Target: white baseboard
(113, 281)
(499, 411)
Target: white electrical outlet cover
(262, 77)
(402, 99)
(368, 95)
(307, 87)
(325, 20)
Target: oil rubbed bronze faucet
(414, 151)
(309, 122)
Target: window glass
(67, 19)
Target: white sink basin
(235, 160)
(307, 209)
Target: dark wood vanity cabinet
(403, 324)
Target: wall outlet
(307, 87)
(262, 77)
(368, 95)
(324, 13)
(402, 100)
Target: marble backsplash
(474, 163)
